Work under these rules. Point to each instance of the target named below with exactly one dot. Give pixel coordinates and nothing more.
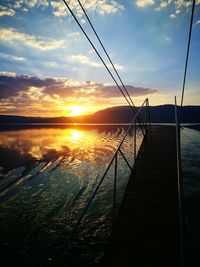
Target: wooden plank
(147, 227)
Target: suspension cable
(75, 18)
(187, 53)
(104, 49)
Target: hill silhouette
(120, 114)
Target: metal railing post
(149, 118)
(180, 185)
(123, 156)
(114, 158)
(145, 116)
(135, 149)
(114, 190)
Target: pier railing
(143, 116)
(180, 184)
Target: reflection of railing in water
(143, 110)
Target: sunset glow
(57, 73)
(36, 142)
(76, 111)
(76, 135)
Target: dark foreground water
(190, 148)
(47, 175)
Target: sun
(76, 111)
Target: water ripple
(49, 181)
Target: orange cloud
(36, 96)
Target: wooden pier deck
(147, 231)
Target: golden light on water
(37, 142)
(75, 135)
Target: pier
(147, 228)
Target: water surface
(190, 152)
(47, 175)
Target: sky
(48, 68)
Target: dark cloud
(11, 86)
(113, 91)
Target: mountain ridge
(116, 114)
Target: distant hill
(122, 114)
(159, 114)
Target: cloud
(6, 11)
(11, 35)
(162, 5)
(84, 60)
(101, 7)
(144, 3)
(179, 6)
(117, 66)
(59, 9)
(73, 34)
(11, 57)
(197, 22)
(183, 3)
(112, 91)
(10, 7)
(7, 73)
(172, 16)
(81, 59)
(22, 4)
(36, 96)
(34, 3)
(167, 39)
(12, 85)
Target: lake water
(190, 152)
(47, 175)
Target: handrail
(115, 158)
(180, 184)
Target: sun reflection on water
(48, 174)
(74, 135)
(77, 144)
(37, 143)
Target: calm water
(47, 174)
(190, 147)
